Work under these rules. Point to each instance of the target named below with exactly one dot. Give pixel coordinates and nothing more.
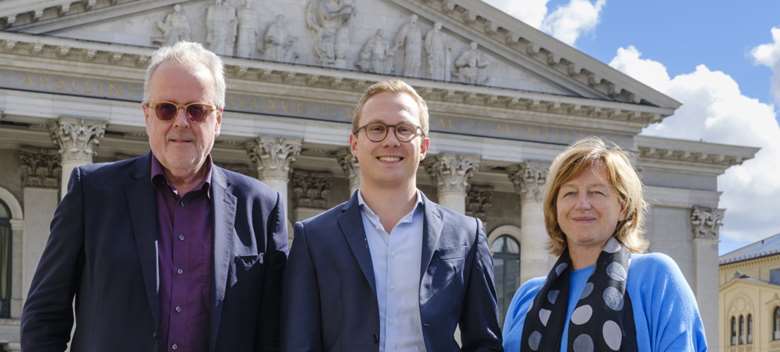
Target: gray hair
(192, 54)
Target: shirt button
(174, 347)
(179, 271)
(181, 203)
(181, 237)
(178, 309)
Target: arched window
(741, 329)
(750, 328)
(733, 331)
(506, 267)
(5, 261)
(776, 325)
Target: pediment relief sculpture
(330, 21)
(408, 43)
(277, 44)
(247, 29)
(376, 55)
(173, 28)
(472, 66)
(221, 24)
(437, 54)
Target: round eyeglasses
(377, 131)
(167, 110)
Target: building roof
(765, 247)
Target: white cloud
(567, 22)
(769, 55)
(715, 110)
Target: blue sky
(719, 58)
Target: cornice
(679, 153)
(129, 62)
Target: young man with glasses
(166, 251)
(389, 270)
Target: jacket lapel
(351, 224)
(143, 216)
(224, 219)
(432, 228)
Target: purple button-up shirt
(185, 262)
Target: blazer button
(154, 334)
(426, 324)
(376, 339)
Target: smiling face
(181, 145)
(588, 209)
(389, 163)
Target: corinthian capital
(77, 138)
(350, 166)
(451, 171)
(273, 155)
(528, 178)
(40, 167)
(706, 222)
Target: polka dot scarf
(602, 320)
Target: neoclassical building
(750, 297)
(504, 99)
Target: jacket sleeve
(47, 316)
(479, 326)
(301, 320)
(275, 259)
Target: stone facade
(73, 80)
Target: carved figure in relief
(376, 55)
(277, 42)
(437, 54)
(247, 29)
(471, 66)
(221, 28)
(175, 27)
(330, 20)
(409, 40)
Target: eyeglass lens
(195, 112)
(377, 131)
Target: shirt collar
(158, 173)
(375, 218)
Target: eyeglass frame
(182, 107)
(418, 131)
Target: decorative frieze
(273, 155)
(310, 189)
(479, 201)
(40, 167)
(705, 222)
(77, 138)
(452, 172)
(528, 179)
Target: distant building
(750, 297)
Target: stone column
(40, 169)
(351, 168)
(452, 173)
(273, 156)
(705, 224)
(17, 232)
(528, 179)
(77, 139)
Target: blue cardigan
(665, 311)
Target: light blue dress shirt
(396, 257)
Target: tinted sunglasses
(167, 110)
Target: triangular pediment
(509, 54)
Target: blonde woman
(602, 294)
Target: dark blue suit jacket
(329, 298)
(102, 251)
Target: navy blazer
(102, 251)
(329, 300)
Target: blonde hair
(396, 86)
(581, 156)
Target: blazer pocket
(450, 253)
